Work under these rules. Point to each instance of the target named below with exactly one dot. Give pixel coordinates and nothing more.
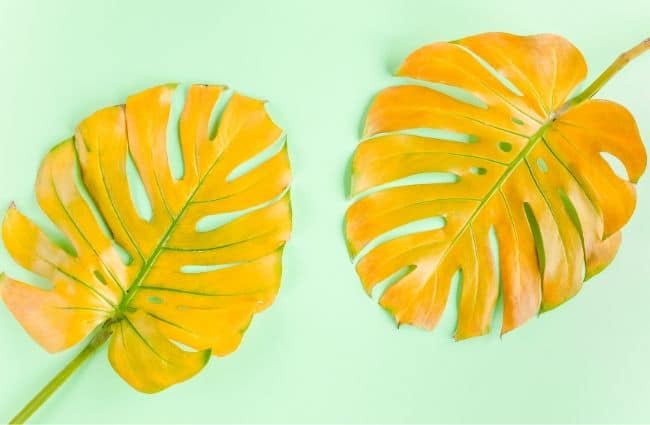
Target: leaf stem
(95, 343)
(607, 75)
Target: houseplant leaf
(185, 291)
(522, 159)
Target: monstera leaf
(530, 205)
(163, 316)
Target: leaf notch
(556, 206)
(162, 322)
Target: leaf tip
(461, 337)
(506, 330)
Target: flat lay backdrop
(324, 352)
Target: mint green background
(323, 352)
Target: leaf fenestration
(556, 224)
(165, 321)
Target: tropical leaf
(530, 205)
(186, 291)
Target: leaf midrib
(147, 266)
(532, 142)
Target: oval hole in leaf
(505, 146)
(537, 235)
(541, 164)
(571, 211)
(100, 277)
(154, 299)
(195, 268)
(124, 255)
(497, 315)
(479, 171)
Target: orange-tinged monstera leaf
(525, 165)
(163, 316)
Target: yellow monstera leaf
(521, 160)
(163, 315)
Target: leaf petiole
(607, 75)
(95, 343)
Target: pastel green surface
(323, 352)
